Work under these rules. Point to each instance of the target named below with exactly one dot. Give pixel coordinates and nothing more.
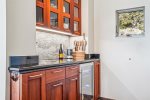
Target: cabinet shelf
(50, 30)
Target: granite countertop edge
(39, 67)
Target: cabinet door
(72, 88)
(33, 86)
(56, 90)
(96, 80)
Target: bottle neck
(61, 46)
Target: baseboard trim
(103, 98)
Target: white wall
(21, 24)
(87, 24)
(2, 49)
(21, 32)
(122, 79)
(90, 25)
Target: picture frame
(130, 22)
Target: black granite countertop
(44, 64)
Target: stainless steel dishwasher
(87, 81)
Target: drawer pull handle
(74, 79)
(57, 71)
(35, 76)
(74, 68)
(57, 84)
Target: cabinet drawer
(55, 74)
(72, 70)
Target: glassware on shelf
(66, 23)
(76, 26)
(54, 19)
(66, 7)
(39, 14)
(54, 3)
(76, 12)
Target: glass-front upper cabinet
(62, 15)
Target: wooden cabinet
(51, 84)
(72, 83)
(62, 15)
(56, 90)
(55, 84)
(33, 86)
(66, 89)
(72, 71)
(72, 88)
(96, 80)
(53, 75)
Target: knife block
(78, 55)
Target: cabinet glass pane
(39, 14)
(66, 23)
(40, 0)
(54, 3)
(66, 7)
(76, 12)
(76, 1)
(76, 26)
(54, 19)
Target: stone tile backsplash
(47, 44)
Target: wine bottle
(61, 55)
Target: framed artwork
(130, 22)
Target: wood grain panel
(72, 71)
(56, 90)
(72, 88)
(35, 89)
(55, 75)
(33, 86)
(96, 80)
(14, 89)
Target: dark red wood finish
(47, 9)
(53, 75)
(72, 71)
(72, 88)
(33, 86)
(96, 80)
(52, 84)
(56, 90)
